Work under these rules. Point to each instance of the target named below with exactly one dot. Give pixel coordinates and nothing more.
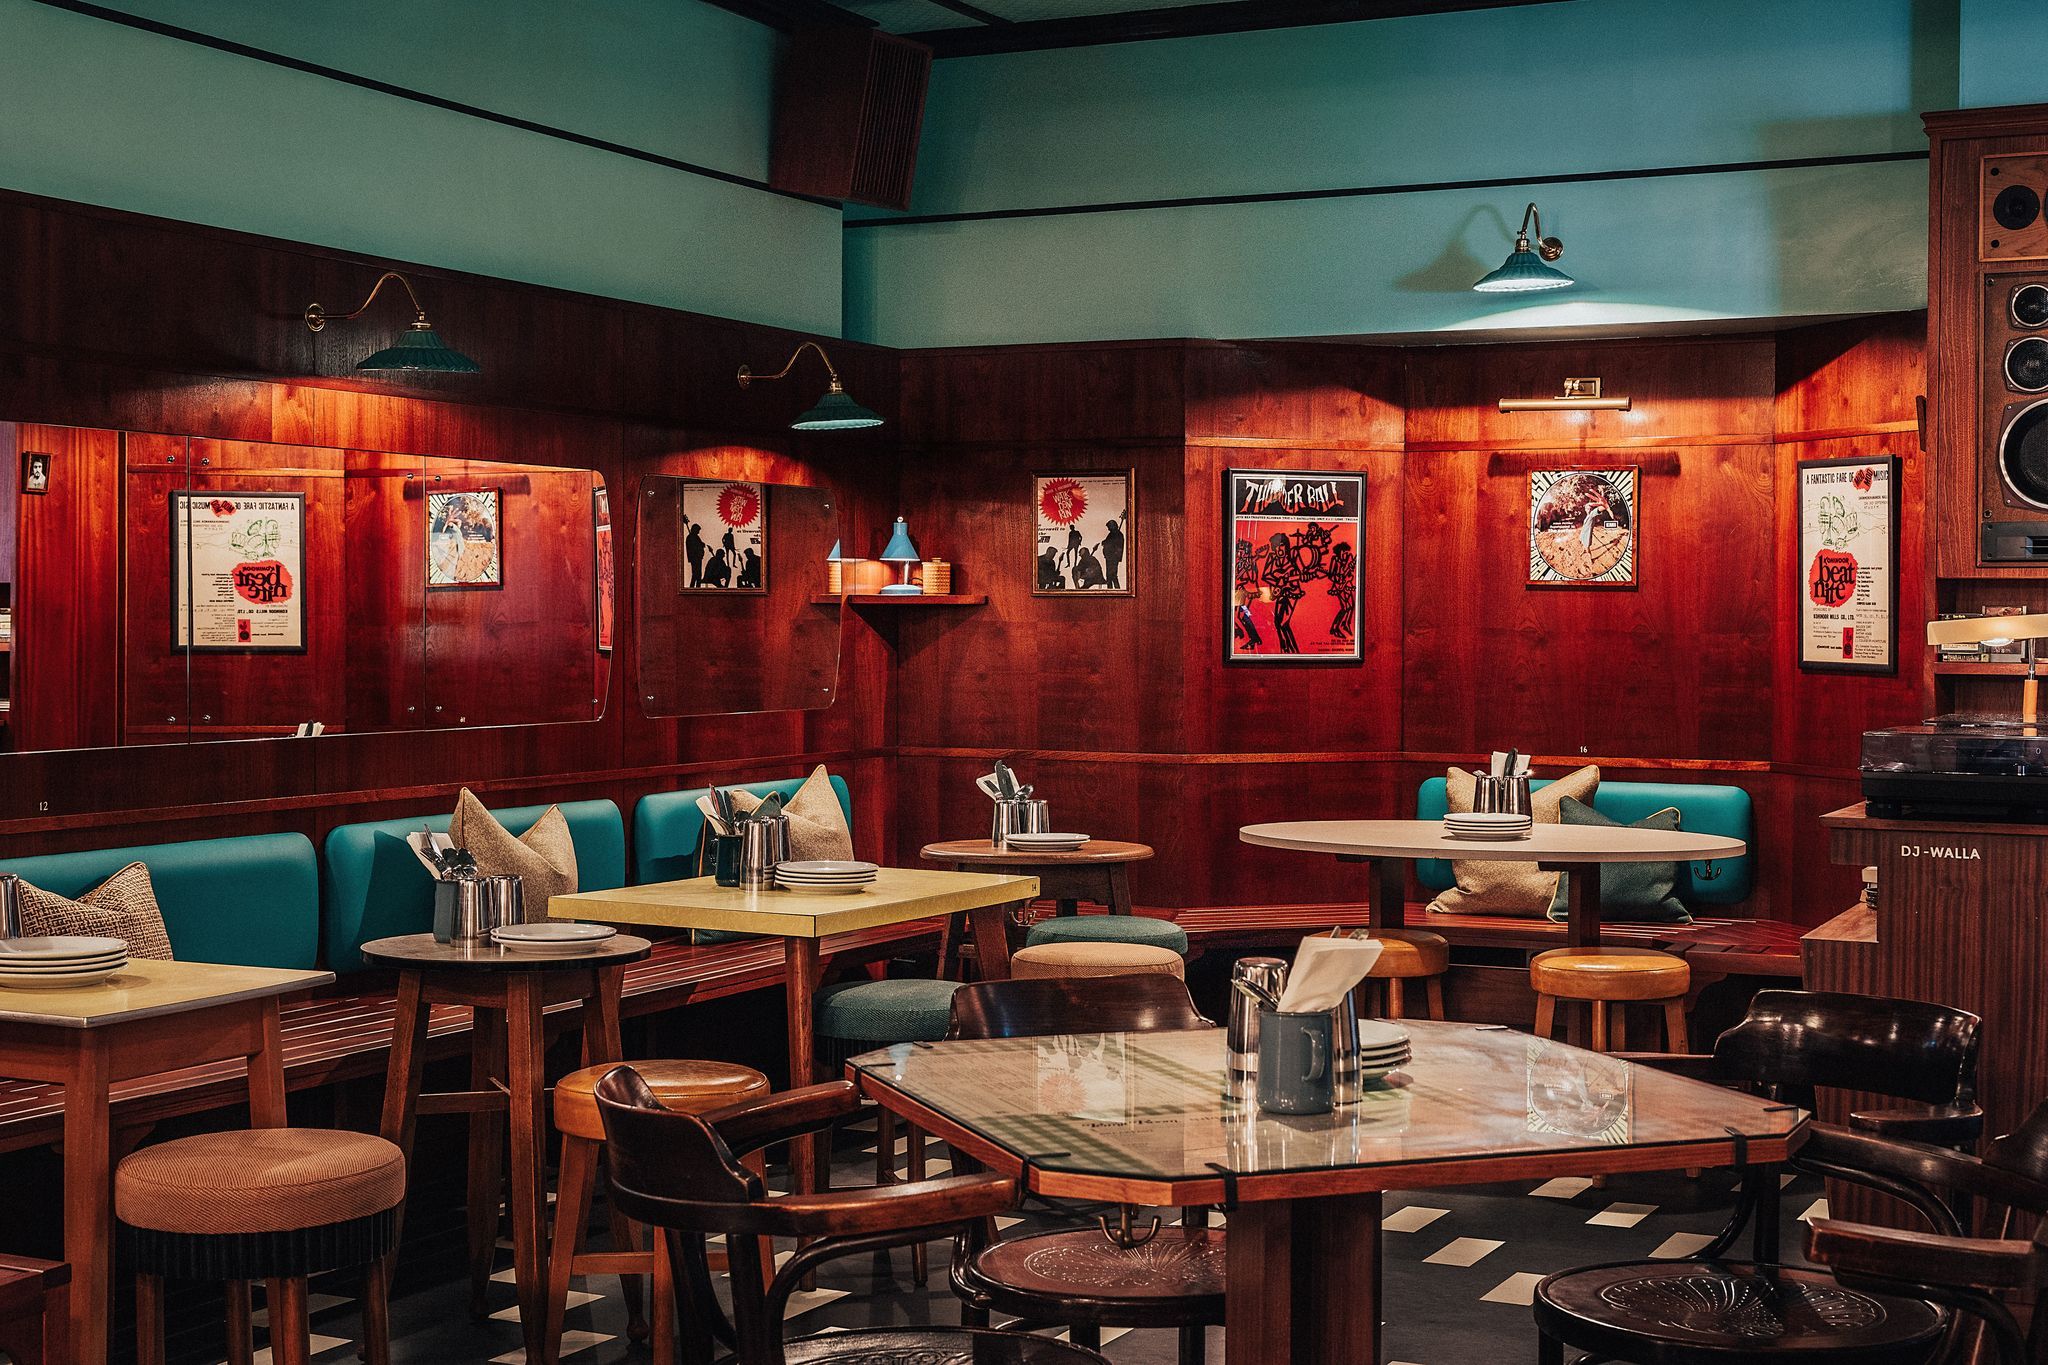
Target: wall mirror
(730, 583)
(170, 589)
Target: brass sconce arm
(747, 375)
(1549, 248)
(318, 317)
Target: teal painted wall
(1587, 86)
(2005, 52)
(109, 115)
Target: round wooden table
(507, 1067)
(1097, 871)
(1578, 850)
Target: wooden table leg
(266, 1070)
(602, 1039)
(1302, 1282)
(1583, 931)
(800, 970)
(1119, 901)
(486, 1165)
(526, 1078)
(991, 942)
(1389, 878)
(89, 1199)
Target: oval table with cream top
(1578, 850)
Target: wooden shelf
(922, 599)
(1958, 668)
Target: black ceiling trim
(790, 15)
(186, 35)
(1185, 21)
(1370, 191)
(979, 16)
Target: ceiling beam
(978, 15)
(1229, 16)
(791, 15)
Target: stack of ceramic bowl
(825, 877)
(1490, 827)
(1382, 1047)
(556, 936)
(59, 962)
(1045, 843)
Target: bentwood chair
(1970, 1275)
(1089, 1278)
(685, 1174)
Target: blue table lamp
(901, 551)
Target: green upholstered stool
(1153, 933)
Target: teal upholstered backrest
(1701, 810)
(668, 827)
(252, 901)
(373, 887)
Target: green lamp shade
(900, 550)
(419, 349)
(1522, 273)
(836, 411)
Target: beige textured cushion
(817, 825)
(1489, 888)
(258, 1180)
(122, 906)
(543, 858)
(1084, 958)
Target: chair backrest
(668, 828)
(2024, 1151)
(373, 886)
(1034, 1007)
(1794, 1041)
(662, 1160)
(1703, 808)
(252, 901)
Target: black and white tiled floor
(1460, 1265)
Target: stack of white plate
(1487, 826)
(1045, 843)
(59, 962)
(825, 877)
(1382, 1047)
(560, 937)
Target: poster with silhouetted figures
(725, 536)
(1293, 541)
(1084, 538)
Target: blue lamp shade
(900, 550)
(835, 557)
(1524, 272)
(419, 350)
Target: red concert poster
(1293, 542)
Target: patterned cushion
(906, 1010)
(1492, 888)
(1643, 892)
(817, 822)
(543, 858)
(122, 906)
(1159, 933)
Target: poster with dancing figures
(1582, 527)
(1293, 540)
(725, 536)
(1084, 538)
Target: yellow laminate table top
(899, 895)
(147, 988)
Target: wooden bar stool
(275, 1204)
(690, 1087)
(1411, 955)
(1611, 976)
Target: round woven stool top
(689, 1086)
(1609, 974)
(1158, 933)
(258, 1180)
(1094, 959)
(1407, 953)
(906, 1009)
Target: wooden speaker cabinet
(849, 107)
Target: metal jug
(1018, 815)
(1501, 795)
(1343, 1053)
(10, 905)
(1241, 1067)
(466, 909)
(763, 844)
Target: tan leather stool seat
(693, 1087)
(1094, 959)
(1609, 974)
(258, 1180)
(1409, 953)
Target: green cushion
(1642, 892)
(1702, 809)
(252, 901)
(668, 836)
(906, 1010)
(1156, 933)
(373, 886)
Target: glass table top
(1153, 1107)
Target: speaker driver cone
(2023, 455)
(2015, 207)
(2029, 307)
(2026, 364)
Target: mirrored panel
(165, 589)
(730, 582)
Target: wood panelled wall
(1123, 713)
(112, 321)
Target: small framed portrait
(1084, 540)
(465, 546)
(1582, 527)
(725, 536)
(35, 471)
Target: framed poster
(601, 521)
(238, 564)
(1582, 527)
(35, 471)
(1848, 565)
(465, 546)
(1083, 541)
(1292, 543)
(725, 536)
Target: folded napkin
(1325, 971)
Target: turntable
(1970, 768)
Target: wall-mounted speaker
(2010, 223)
(849, 108)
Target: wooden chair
(35, 1321)
(683, 1173)
(1970, 1275)
(1090, 1278)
